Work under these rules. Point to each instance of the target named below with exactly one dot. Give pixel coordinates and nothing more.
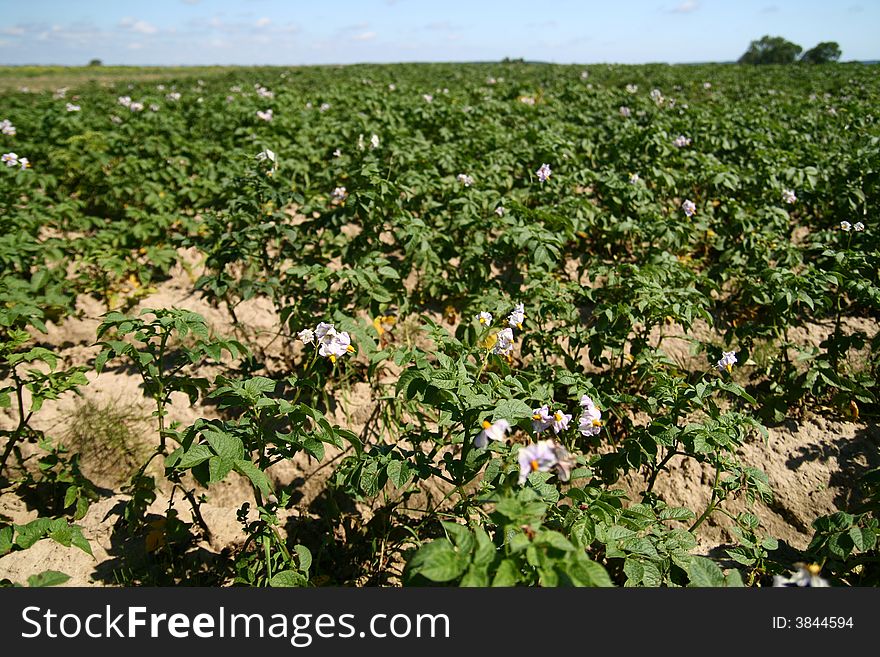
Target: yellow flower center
(597, 423)
(534, 465)
(350, 349)
(332, 358)
(558, 416)
(486, 424)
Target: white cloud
(687, 6)
(13, 31)
(263, 22)
(364, 36)
(139, 26)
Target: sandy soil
(812, 464)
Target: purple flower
(541, 419)
(543, 172)
(492, 431)
(537, 457)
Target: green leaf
(218, 468)
(704, 572)
(369, 479)
(5, 539)
(508, 574)
(47, 578)
(258, 477)
(584, 572)
(79, 541)
(194, 456)
(398, 473)
(226, 446)
(679, 513)
(304, 557)
(634, 571)
(438, 561)
(288, 579)
(511, 409)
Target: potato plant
(549, 284)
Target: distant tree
(827, 51)
(771, 50)
(95, 62)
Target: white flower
(154, 107)
(632, 88)
(24, 163)
(527, 100)
(499, 210)
(516, 318)
(806, 576)
(324, 107)
(306, 335)
(590, 423)
(10, 159)
(267, 154)
(681, 141)
(59, 93)
(543, 172)
(788, 196)
(491, 431)
(634, 178)
(115, 119)
(707, 85)
(337, 153)
(656, 96)
(331, 343)
(503, 342)
(537, 457)
(73, 108)
(845, 225)
(374, 141)
(541, 419)
(265, 116)
(262, 92)
(428, 98)
(160, 87)
(235, 89)
(625, 111)
(339, 194)
(859, 227)
(323, 329)
(689, 208)
(7, 128)
(125, 101)
(728, 358)
(174, 96)
(136, 107)
(392, 87)
(491, 81)
(309, 105)
(485, 318)
(560, 421)
(465, 179)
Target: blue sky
(202, 32)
